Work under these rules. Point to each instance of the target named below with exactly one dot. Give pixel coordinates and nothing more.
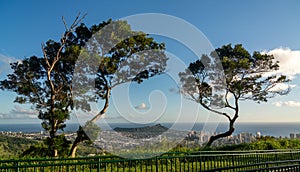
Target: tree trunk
(81, 136)
(74, 149)
(53, 145)
(55, 153)
(222, 135)
(231, 125)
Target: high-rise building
(292, 135)
(258, 134)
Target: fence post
(156, 164)
(17, 166)
(291, 153)
(99, 165)
(257, 158)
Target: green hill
(13, 147)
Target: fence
(285, 160)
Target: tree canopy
(44, 82)
(219, 81)
(111, 49)
(113, 56)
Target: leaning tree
(219, 81)
(45, 82)
(111, 49)
(113, 56)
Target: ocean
(270, 129)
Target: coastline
(271, 129)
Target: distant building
(258, 134)
(292, 135)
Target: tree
(45, 82)
(242, 77)
(115, 55)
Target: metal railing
(179, 161)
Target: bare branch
(45, 54)
(65, 23)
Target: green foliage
(46, 82)
(218, 82)
(92, 130)
(116, 55)
(36, 151)
(265, 144)
(42, 149)
(12, 147)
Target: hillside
(13, 147)
(142, 132)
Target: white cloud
(7, 59)
(5, 63)
(287, 104)
(142, 106)
(20, 113)
(85, 116)
(105, 116)
(19, 110)
(282, 86)
(289, 61)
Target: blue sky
(270, 26)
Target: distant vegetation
(13, 148)
(16, 147)
(263, 143)
(266, 143)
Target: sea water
(270, 129)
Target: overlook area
(149, 86)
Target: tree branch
(227, 102)
(106, 104)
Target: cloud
(20, 113)
(287, 104)
(289, 61)
(7, 59)
(5, 63)
(104, 116)
(141, 106)
(282, 86)
(85, 116)
(23, 111)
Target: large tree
(219, 81)
(46, 82)
(113, 56)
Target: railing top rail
(277, 163)
(245, 151)
(165, 155)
